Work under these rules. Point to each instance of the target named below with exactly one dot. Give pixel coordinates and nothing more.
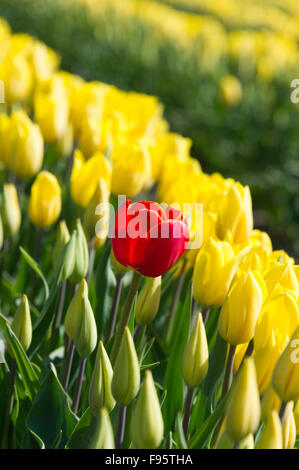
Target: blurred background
(223, 71)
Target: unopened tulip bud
(118, 268)
(285, 378)
(196, 356)
(68, 257)
(64, 145)
(62, 237)
(45, 200)
(10, 210)
(81, 259)
(96, 214)
(21, 324)
(80, 325)
(100, 394)
(148, 301)
(240, 311)
(289, 427)
(243, 408)
(270, 402)
(271, 436)
(126, 374)
(147, 425)
(105, 438)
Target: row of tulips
(195, 318)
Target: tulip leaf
(25, 367)
(173, 382)
(180, 432)
(50, 417)
(201, 437)
(34, 265)
(217, 362)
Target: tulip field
(140, 307)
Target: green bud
(21, 324)
(79, 323)
(100, 394)
(147, 425)
(81, 254)
(148, 301)
(117, 267)
(67, 257)
(10, 210)
(224, 442)
(196, 356)
(271, 435)
(126, 375)
(105, 436)
(62, 237)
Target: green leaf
(217, 362)
(173, 382)
(200, 438)
(180, 431)
(25, 367)
(50, 414)
(34, 265)
(86, 433)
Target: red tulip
(148, 238)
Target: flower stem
(125, 315)
(121, 427)
(114, 308)
(58, 317)
(173, 309)
(68, 364)
(229, 370)
(10, 401)
(282, 412)
(76, 399)
(188, 411)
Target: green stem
(114, 308)
(125, 315)
(68, 365)
(228, 370)
(77, 394)
(282, 412)
(188, 409)
(59, 313)
(9, 406)
(121, 427)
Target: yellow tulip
(214, 270)
(289, 427)
(235, 219)
(230, 90)
(270, 402)
(22, 150)
(16, 73)
(45, 200)
(10, 210)
(240, 311)
(286, 374)
(86, 174)
(282, 278)
(239, 355)
(94, 135)
(271, 436)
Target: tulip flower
(289, 427)
(214, 269)
(231, 90)
(100, 394)
(16, 73)
(282, 278)
(271, 436)
(147, 425)
(22, 149)
(93, 135)
(270, 402)
(148, 301)
(243, 408)
(196, 355)
(21, 324)
(240, 311)
(79, 323)
(10, 210)
(149, 239)
(286, 373)
(62, 238)
(45, 200)
(126, 373)
(86, 174)
(235, 219)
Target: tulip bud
(10, 210)
(100, 394)
(21, 324)
(68, 257)
(243, 407)
(79, 323)
(96, 215)
(289, 427)
(118, 268)
(105, 437)
(196, 356)
(215, 267)
(240, 311)
(65, 144)
(285, 378)
(270, 402)
(62, 238)
(81, 259)
(271, 436)
(23, 149)
(147, 425)
(225, 442)
(148, 301)
(126, 374)
(45, 200)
